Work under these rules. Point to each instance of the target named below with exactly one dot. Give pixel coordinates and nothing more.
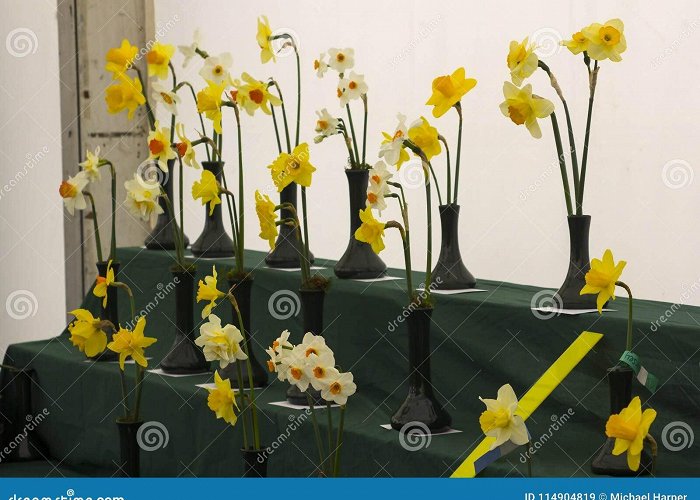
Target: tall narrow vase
(605, 463)
(242, 289)
(569, 294)
(359, 260)
(129, 450)
(214, 241)
(32, 446)
(184, 356)
(421, 408)
(161, 237)
(111, 312)
(450, 273)
(287, 252)
(254, 462)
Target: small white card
(383, 278)
(287, 404)
(159, 371)
(212, 385)
(291, 269)
(568, 312)
(417, 430)
(127, 362)
(454, 292)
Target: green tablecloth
(480, 341)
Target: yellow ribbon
(554, 376)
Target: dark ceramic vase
(161, 237)
(32, 447)
(569, 294)
(359, 260)
(312, 321)
(214, 241)
(420, 408)
(129, 450)
(242, 289)
(605, 463)
(254, 463)
(450, 273)
(184, 356)
(287, 252)
(111, 312)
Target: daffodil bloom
(207, 290)
(352, 87)
(166, 97)
(207, 189)
(448, 91)
(86, 333)
(220, 343)
(190, 51)
(295, 167)
(158, 58)
(281, 345)
(142, 199)
(131, 344)
(341, 60)
(295, 370)
(125, 94)
(313, 344)
(425, 136)
(267, 216)
(71, 190)
(338, 387)
(254, 94)
(102, 284)
(184, 148)
(216, 69)
(522, 60)
(523, 108)
(378, 177)
(500, 421)
(320, 66)
(119, 59)
(320, 369)
(222, 400)
(392, 149)
(267, 52)
(606, 41)
(577, 44)
(629, 428)
(326, 125)
(91, 165)
(280, 349)
(371, 230)
(275, 365)
(209, 103)
(375, 198)
(601, 279)
(159, 146)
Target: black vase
(129, 450)
(312, 321)
(214, 241)
(111, 312)
(450, 273)
(605, 463)
(421, 408)
(242, 289)
(32, 447)
(569, 294)
(184, 356)
(254, 463)
(359, 260)
(161, 237)
(287, 252)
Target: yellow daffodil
(142, 198)
(267, 216)
(131, 344)
(371, 231)
(606, 41)
(392, 149)
(522, 60)
(159, 145)
(295, 167)
(125, 94)
(222, 400)
(209, 103)
(86, 333)
(500, 421)
(158, 58)
(448, 91)
(207, 290)
(602, 277)
(629, 428)
(91, 165)
(119, 59)
(253, 95)
(207, 189)
(577, 44)
(102, 283)
(523, 108)
(267, 52)
(425, 136)
(184, 148)
(71, 190)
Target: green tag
(647, 379)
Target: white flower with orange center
(319, 369)
(320, 66)
(184, 147)
(378, 177)
(71, 191)
(166, 97)
(313, 344)
(159, 146)
(326, 125)
(352, 87)
(142, 198)
(341, 60)
(375, 198)
(217, 69)
(340, 387)
(391, 148)
(295, 367)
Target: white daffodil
(326, 125)
(71, 191)
(275, 365)
(319, 369)
(378, 177)
(295, 369)
(339, 387)
(91, 165)
(391, 148)
(142, 198)
(190, 51)
(166, 97)
(352, 87)
(313, 344)
(320, 66)
(341, 60)
(282, 346)
(375, 198)
(216, 69)
(500, 421)
(220, 343)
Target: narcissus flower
(341, 60)
(254, 94)
(629, 428)
(295, 369)
(577, 44)
(523, 108)
(91, 165)
(339, 387)
(267, 216)
(371, 231)
(207, 189)
(216, 69)
(448, 91)
(601, 279)
(351, 87)
(295, 167)
(125, 94)
(119, 59)
(207, 290)
(158, 58)
(159, 146)
(263, 35)
(102, 284)
(326, 125)
(86, 333)
(190, 51)
(280, 349)
(392, 149)
(209, 103)
(425, 136)
(500, 421)
(131, 344)
(313, 344)
(220, 343)
(142, 198)
(321, 369)
(522, 60)
(320, 66)
(166, 97)
(222, 400)
(375, 199)
(378, 177)
(71, 190)
(184, 148)
(606, 41)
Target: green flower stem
(306, 229)
(364, 129)
(96, 227)
(348, 143)
(437, 186)
(629, 314)
(277, 132)
(654, 451)
(231, 204)
(241, 211)
(149, 111)
(317, 432)
(241, 395)
(352, 131)
(296, 53)
(458, 107)
(593, 80)
(449, 170)
(329, 435)
(284, 115)
(406, 255)
(182, 203)
(294, 222)
(562, 162)
(125, 396)
(139, 385)
(172, 116)
(113, 242)
(339, 442)
(529, 460)
(201, 120)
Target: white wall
(32, 284)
